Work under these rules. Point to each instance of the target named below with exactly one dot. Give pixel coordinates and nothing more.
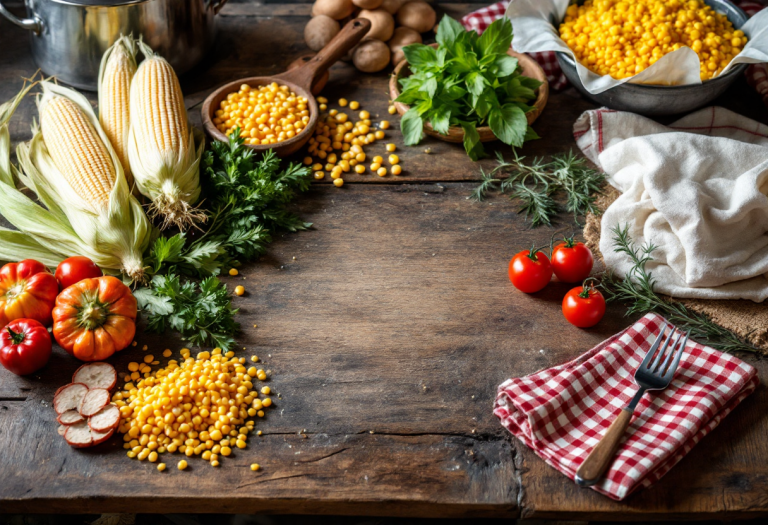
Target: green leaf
(410, 96)
(411, 126)
(448, 30)
(420, 56)
(430, 87)
(153, 304)
(509, 124)
(530, 83)
(476, 83)
(472, 144)
(504, 65)
(530, 134)
(496, 38)
(440, 118)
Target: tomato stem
(588, 287)
(569, 242)
(16, 337)
(532, 253)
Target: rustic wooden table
(387, 328)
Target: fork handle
(601, 456)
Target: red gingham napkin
(479, 20)
(562, 412)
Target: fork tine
(671, 371)
(675, 349)
(656, 361)
(655, 345)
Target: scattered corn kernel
(214, 463)
(319, 175)
(307, 160)
(378, 135)
(255, 467)
(343, 102)
(266, 390)
(338, 183)
(384, 124)
(394, 159)
(322, 100)
(161, 467)
(397, 169)
(360, 169)
(381, 172)
(392, 110)
(167, 353)
(364, 115)
(354, 104)
(239, 290)
(149, 358)
(182, 464)
(233, 272)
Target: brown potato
(391, 6)
(319, 31)
(367, 4)
(336, 9)
(402, 37)
(382, 24)
(417, 15)
(371, 56)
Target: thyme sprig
(637, 291)
(537, 184)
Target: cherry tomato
(584, 306)
(530, 270)
(75, 269)
(25, 346)
(572, 261)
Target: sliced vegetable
(93, 402)
(79, 435)
(27, 290)
(25, 346)
(95, 318)
(69, 397)
(61, 430)
(106, 419)
(530, 270)
(96, 375)
(100, 437)
(584, 306)
(70, 417)
(75, 269)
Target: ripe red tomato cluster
(28, 294)
(531, 270)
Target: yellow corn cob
(114, 97)
(163, 121)
(77, 150)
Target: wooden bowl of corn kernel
(277, 112)
(713, 33)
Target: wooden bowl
(301, 80)
(530, 68)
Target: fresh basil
(468, 81)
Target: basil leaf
(472, 144)
(496, 38)
(420, 56)
(476, 83)
(448, 30)
(509, 124)
(530, 83)
(424, 106)
(441, 119)
(411, 126)
(530, 134)
(504, 65)
(410, 96)
(430, 87)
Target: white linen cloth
(535, 25)
(696, 189)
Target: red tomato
(25, 346)
(572, 261)
(27, 291)
(75, 269)
(530, 270)
(584, 306)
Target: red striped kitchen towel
(757, 74)
(561, 412)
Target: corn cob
(162, 151)
(118, 65)
(77, 150)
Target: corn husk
(118, 65)
(168, 173)
(114, 235)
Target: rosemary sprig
(637, 291)
(537, 184)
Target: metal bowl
(663, 100)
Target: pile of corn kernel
(197, 407)
(338, 144)
(621, 38)
(265, 115)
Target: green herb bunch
(637, 291)
(468, 81)
(537, 184)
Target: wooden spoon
(299, 80)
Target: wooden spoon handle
(601, 456)
(349, 36)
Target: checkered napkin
(561, 412)
(479, 20)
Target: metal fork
(649, 376)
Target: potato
(371, 56)
(402, 37)
(382, 24)
(417, 15)
(367, 4)
(319, 31)
(391, 6)
(336, 9)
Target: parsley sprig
(468, 81)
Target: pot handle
(34, 24)
(218, 5)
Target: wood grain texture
(387, 336)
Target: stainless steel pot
(70, 36)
